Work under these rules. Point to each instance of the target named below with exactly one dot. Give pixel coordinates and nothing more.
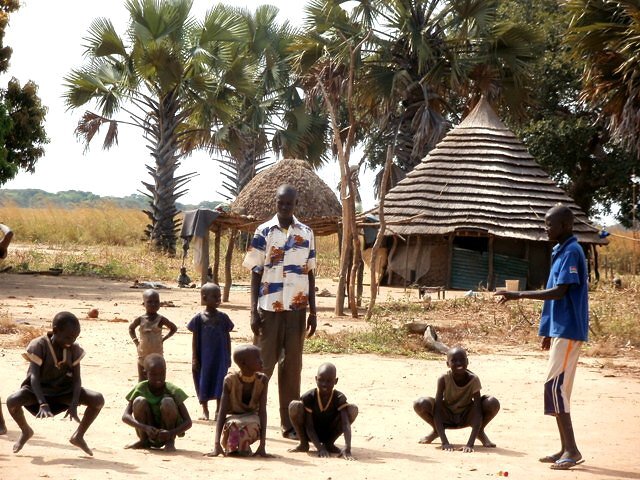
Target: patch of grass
(382, 337)
(16, 335)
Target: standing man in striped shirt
(564, 326)
(282, 260)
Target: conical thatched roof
(317, 207)
(480, 177)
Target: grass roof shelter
(318, 207)
(471, 214)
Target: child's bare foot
(331, 448)
(24, 437)
(203, 417)
(301, 447)
(138, 445)
(429, 438)
(485, 440)
(170, 446)
(78, 441)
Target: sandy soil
(606, 416)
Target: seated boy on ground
(156, 408)
(322, 415)
(242, 418)
(53, 383)
(458, 404)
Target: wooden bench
(422, 290)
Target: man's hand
(312, 323)
(506, 295)
(546, 343)
(256, 322)
(72, 413)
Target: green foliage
(22, 135)
(568, 138)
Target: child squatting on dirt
(150, 325)
(211, 348)
(242, 419)
(322, 415)
(53, 383)
(156, 408)
(458, 404)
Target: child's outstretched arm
(476, 421)
(313, 435)
(132, 330)
(437, 415)
(129, 419)
(262, 413)
(346, 431)
(72, 411)
(223, 411)
(36, 386)
(165, 322)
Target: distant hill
(33, 198)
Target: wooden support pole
(216, 255)
(227, 265)
(205, 259)
(491, 281)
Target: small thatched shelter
(471, 214)
(318, 206)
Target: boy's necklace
(323, 406)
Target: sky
(47, 41)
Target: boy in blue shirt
(564, 326)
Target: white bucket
(512, 284)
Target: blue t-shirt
(569, 316)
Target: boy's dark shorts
(459, 420)
(57, 403)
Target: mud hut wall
(539, 264)
(419, 260)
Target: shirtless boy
(150, 325)
(322, 415)
(53, 383)
(458, 404)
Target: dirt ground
(605, 404)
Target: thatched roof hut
(318, 206)
(482, 193)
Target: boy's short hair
(154, 359)
(63, 320)
(240, 351)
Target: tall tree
(272, 116)
(173, 78)
(431, 62)
(568, 137)
(329, 62)
(22, 115)
(605, 35)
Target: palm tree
(173, 78)
(432, 60)
(605, 34)
(272, 116)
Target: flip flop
(565, 464)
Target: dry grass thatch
(318, 206)
(480, 177)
